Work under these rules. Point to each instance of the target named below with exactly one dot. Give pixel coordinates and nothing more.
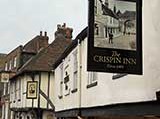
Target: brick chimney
(63, 31)
(43, 40)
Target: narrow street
(120, 42)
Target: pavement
(119, 42)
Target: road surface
(120, 42)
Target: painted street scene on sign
(115, 24)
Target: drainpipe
(79, 77)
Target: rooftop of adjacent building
(2, 60)
(46, 57)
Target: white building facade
(24, 108)
(32, 87)
(79, 93)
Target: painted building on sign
(106, 20)
(127, 22)
(114, 24)
(82, 94)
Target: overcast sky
(21, 20)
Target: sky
(22, 20)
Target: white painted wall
(131, 88)
(44, 87)
(51, 90)
(6, 110)
(22, 82)
(71, 100)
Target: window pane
(75, 69)
(92, 77)
(75, 79)
(10, 64)
(15, 61)
(61, 81)
(6, 67)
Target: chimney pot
(45, 33)
(64, 31)
(64, 25)
(58, 26)
(40, 33)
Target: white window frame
(95, 8)
(10, 64)
(75, 70)
(110, 20)
(66, 83)
(118, 75)
(96, 29)
(11, 91)
(6, 66)
(61, 82)
(15, 62)
(19, 89)
(15, 90)
(8, 88)
(92, 79)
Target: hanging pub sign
(4, 76)
(115, 36)
(32, 89)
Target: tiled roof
(34, 44)
(109, 12)
(45, 58)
